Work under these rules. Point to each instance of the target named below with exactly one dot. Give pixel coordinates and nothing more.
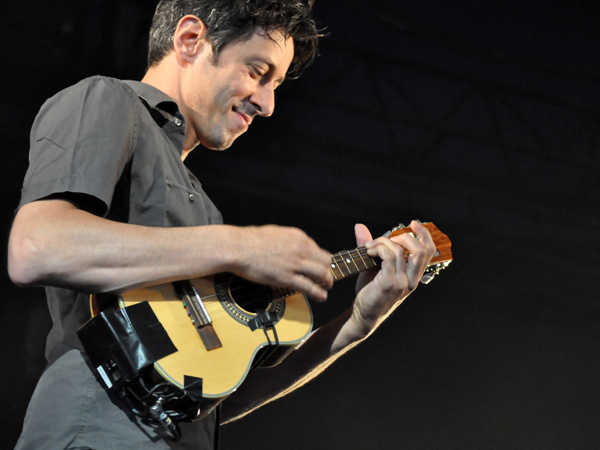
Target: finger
(318, 271)
(420, 252)
(425, 238)
(314, 291)
(392, 277)
(418, 249)
(382, 243)
(411, 256)
(362, 233)
(388, 250)
(421, 231)
(408, 241)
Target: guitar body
(224, 368)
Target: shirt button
(178, 121)
(192, 198)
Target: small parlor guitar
(219, 324)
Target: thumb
(363, 235)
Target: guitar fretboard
(350, 262)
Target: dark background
(482, 117)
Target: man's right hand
(283, 257)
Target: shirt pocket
(184, 207)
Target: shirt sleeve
(81, 142)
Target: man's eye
(257, 72)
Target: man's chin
(222, 144)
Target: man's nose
(264, 100)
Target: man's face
(220, 100)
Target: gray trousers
(69, 410)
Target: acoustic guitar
(219, 324)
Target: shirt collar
(154, 97)
(164, 111)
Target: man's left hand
(404, 258)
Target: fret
(337, 266)
(335, 277)
(338, 260)
(367, 261)
(353, 261)
(346, 264)
(361, 258)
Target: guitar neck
(351, 262)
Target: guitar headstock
(443, 254)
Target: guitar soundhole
(251, 297)
(242, 299)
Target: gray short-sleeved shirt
(114, 149)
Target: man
(108, 206)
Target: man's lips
(245, 117)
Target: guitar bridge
(192, 302)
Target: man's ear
(189, 38)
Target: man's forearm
(54, 243)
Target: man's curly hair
(228, 21)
